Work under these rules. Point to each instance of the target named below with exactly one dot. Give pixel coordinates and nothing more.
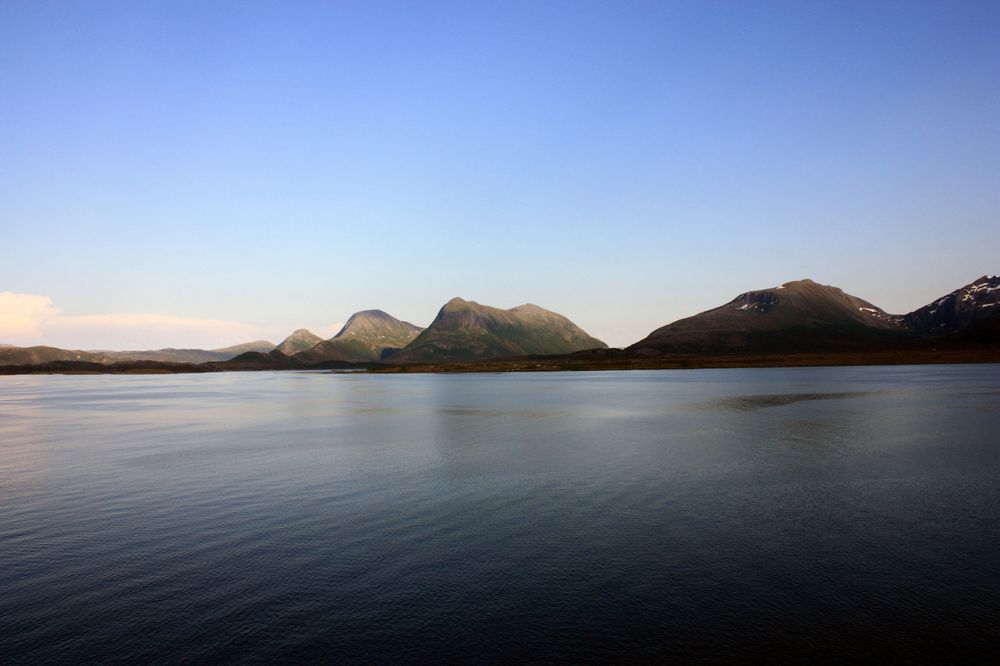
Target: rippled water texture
(700, 515)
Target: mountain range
(798, 317)
(804, 316)
(11, 355)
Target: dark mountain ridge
(804, 316)
(958, 310)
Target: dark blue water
(712, 515)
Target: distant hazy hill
(368, 335)
(189, 355)
(465, 330)
(262, 346)
(255, 360)
(41, 354)
(797, 316)
(298, 341)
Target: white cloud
(22, 316)
(28, 319)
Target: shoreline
(570, 363)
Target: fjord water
(701, 514)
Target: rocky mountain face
(465, 330)
(804, 316)
(962, 308)
(300, 340)
(796, 316)
(369, 335)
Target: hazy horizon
(193, 174)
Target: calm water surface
(707, 515)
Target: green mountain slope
(299, 341)
(368, 335)
(465, 330)
(43, 354)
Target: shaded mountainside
(465, 330)
(300, 340)
(962, 308)
(982, 332)
(797, 316)
(369, 335)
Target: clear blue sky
(284, 164)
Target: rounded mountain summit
(369, 335)
(467, 331)
(797, 316)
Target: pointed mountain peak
(459, 305)
(367, 336)
(300, 340)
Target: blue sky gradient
(626, 164)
